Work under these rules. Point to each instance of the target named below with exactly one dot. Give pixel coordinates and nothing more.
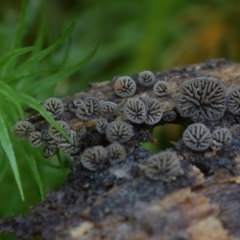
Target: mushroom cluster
(117, 118)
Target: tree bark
(120, 202)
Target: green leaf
(60, 162)
(10, 94)
(55, 78)
(42, 54)
(7, 146)
(7, 57)
(33, 165)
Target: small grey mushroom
(234, 101)
(124, 86)
(135, 110)
(54, 106)
(197, 137)
(92, 158)
(220, 137)
(82, 113)
(101, 125)
(146, 79)
(73, 105)
(35, 139)
(92, 105)
(48, 141)
(169, 116)
(68, 147)
(161, 88)
(203, 98)
(109, 108)
(119, 131)
(22, 129)
(116, 152)
(163, 166)
(49, 152)
(55, 134)
(154, 111)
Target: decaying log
(121, 203)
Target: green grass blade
(40, 31)
(7, 146)
(55, 78)
(3, 170)
(6, 58)
(10, 95)
(60, 162)
(33, 165)
(31, 102)
(41, 55)
(21, 26)
(15, 78)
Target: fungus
(234, 101)
(116, 152)
(125, 87)
(109, 108)
(54, 133)
(135, 110)
(22, 129)
(101, 124)
(154, 112)
(35, 139)
(67, 147)
(49, 152)
(54, 106)
(169, 116)
(73, 106)
(119, 131)
(163, 166)
(92, 106)
(146, 79)
(202, 98)
(161, 88)
(197, 137)
(93, 157)
(220, 137)
(81, 113)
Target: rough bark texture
(119, 202)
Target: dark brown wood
(121, 203)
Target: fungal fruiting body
(116, 152)
(22, 129)
(35, 139)
(74, 104)
(146, 78)
(55, 134)
(119, 131)
(203, 98)
(54, 106)
(124, 87)
(135, 110)
(153, 111)
(220, 137)
(197, 137)
(92, 106)
(108, 108)
(68, 147)
(169, 116)
(163, 166)
(101, 125)
(161, 88)
(234, 101)
(93, 157)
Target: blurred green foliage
(133, 36)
